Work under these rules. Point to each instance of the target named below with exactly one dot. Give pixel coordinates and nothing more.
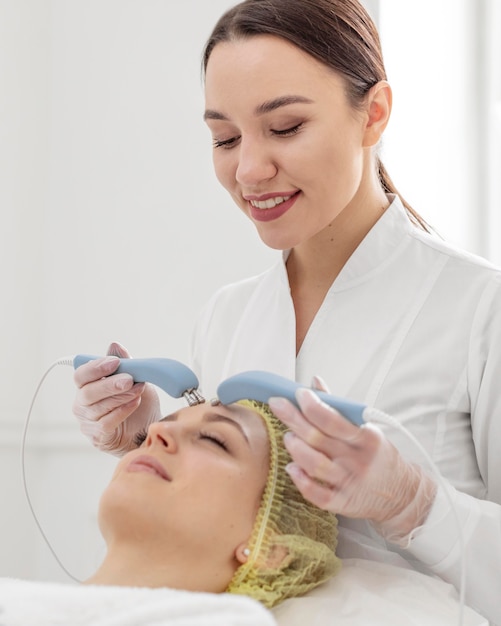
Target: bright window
(442, 147)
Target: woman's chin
(276, 238)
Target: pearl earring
(246, 552)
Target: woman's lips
(149, 465)
(268, 214)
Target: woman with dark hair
(365, 295)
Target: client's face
(193, 486)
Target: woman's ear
(242, 553)
(379, 101)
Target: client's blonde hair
(293, 542)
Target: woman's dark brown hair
(338, 33)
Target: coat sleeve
(438, 543)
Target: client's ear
(276, 557)
(242, 553)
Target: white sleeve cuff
(437, 543)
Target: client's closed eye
(216, 439)
(140, 437)
(213, 438)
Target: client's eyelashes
(213, 438)
(140, 437)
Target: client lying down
(204, 504)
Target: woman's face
(194, 484)
(287, 145)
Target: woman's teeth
(270, 203)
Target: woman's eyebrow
(261, 109)
(210, 114)
(217, 417)
(281, 101)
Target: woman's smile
(271, 207)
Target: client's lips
(148, 464)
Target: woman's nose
(255, 164)
(162, 434)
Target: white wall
(113, 225)
(113, 228)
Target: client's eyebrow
(261, 109)
(211, 417)
(217, 417)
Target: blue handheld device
(172, 376)
(261, 386)
(179, 380)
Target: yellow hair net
(293, 542)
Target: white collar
(384, 239)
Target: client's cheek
(119, 469)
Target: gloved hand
(112, 409)
(353, 471)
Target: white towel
(31, 603)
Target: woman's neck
(322, 257)
(314, 265)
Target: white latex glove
(350, 470)
(112, 409)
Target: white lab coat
(411, 326)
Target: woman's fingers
(317, 465)
(105, 366)
(110, 407)
(95, 370)
(323, 417)
(336, 465)
(349, 470)
(319, 384)
(110, 421)
(317, 424)
(102, 426)
(116, 349)
(319, 494)
(99, 391)
(96, 400)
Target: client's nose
(161, 434)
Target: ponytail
(389, 187)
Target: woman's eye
(140, 438)
(232, 141)
(213, 438)
(225, 143)
(287, 132)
